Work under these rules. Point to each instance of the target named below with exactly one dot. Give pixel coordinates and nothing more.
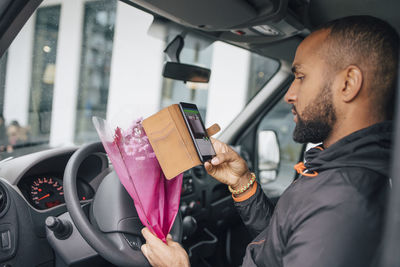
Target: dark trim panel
(391, 238)
(14, 14)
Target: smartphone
(197, 131)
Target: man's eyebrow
(296, 68)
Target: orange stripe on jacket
(246, 195)
(300, 168)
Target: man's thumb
(222, 158)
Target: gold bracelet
(244, 188)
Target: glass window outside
(260, 72)
(42, 81)
(98, 34)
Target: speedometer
(47, 192)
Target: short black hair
(15, 123)
(371, 44)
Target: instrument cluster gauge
(47, 191)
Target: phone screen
(199, 135)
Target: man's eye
(300, 78)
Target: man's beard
(315, 124)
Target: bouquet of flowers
(156, 198)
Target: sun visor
(211, 15)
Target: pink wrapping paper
(156, 198)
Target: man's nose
(291, 96)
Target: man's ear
(352, 81)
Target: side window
(42, 79)
(97, 44)
(277, 152)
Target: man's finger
(169, 239)
(215, 142)
(171, 242)
(145, 250)
(147, 253)
(218, 145)
(150, 238)
(207, 166)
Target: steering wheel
(114, 226)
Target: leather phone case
(171, 141)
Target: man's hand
(160, 254)
(227, 166)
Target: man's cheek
(307, 112)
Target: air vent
(3, 201)
(199, 171)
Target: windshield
(77, 59)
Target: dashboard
(38, 177)
(31, 190)
(34, 188)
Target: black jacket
(332, 219)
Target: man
(332, 215)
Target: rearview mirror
(186, 73)
(268, 156)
